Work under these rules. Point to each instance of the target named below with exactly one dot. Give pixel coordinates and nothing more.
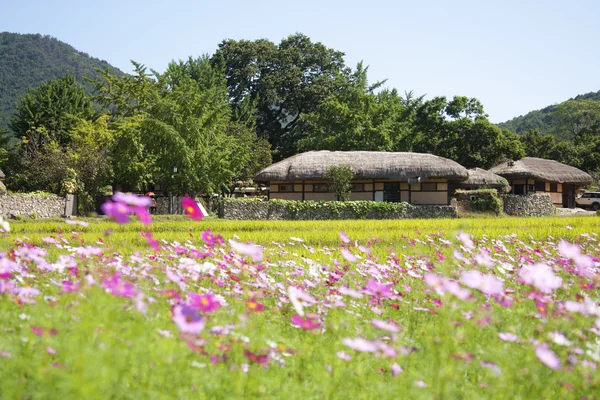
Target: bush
(486, 200)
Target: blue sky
(514, 56)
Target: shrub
(339, 181)
(485, 200)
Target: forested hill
(28, 60)
(545, 120)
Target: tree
(286, 81)
(357, 118)
(537, 145)
(49, 112)
(177, 120)
(459, 129)
(339, 181)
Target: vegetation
(339, 181)
(27, 61)
(204, 123)
(388, 307)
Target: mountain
(28, 60)
(543, 119)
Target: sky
(514, 56)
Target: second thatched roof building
(538, 175)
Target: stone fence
(531, 205)
(48, 206)
(323, 210)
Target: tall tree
(48, 112)
(459, 129)
(287, 81)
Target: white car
(589, 200)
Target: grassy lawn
(405, 309)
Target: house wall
(430, 192)
(554, 189)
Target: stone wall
(162, 205)
(531, 205)
(308, 210)
(32, 206)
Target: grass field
(462, 309)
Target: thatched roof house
(534, 175)
(379, 176)
(542, 170)
(365, 165)
(480, 178)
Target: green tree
(47, 113)
(459, 129)
(286, 82)
(339, 181)
(537, 145)
(357, 118)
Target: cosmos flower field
(182, 308)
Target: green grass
(106, 348)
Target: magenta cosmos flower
(191, 208)
(375, 288)
(307, 324)
(208, 237)
(187, 319)
(118, 286)
(119, 212)
(204, 302)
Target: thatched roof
(365, 165)
(543, 170)
(481, 177)
(2, 174)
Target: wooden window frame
(290, 185)
(362, 187)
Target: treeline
(26, 61)
(207, 122)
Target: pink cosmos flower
(350, 292)
(191, 208)
(344, 237)
(360, 344)
(76, 222)
(151, 241)
(252, 250)
(307, 324)
(119, 287)
(377, 289)
(485, 283)
(547, 356)
(396, 369)
(70, 287)
(187, 319)
(119, 212)
(540, 276)
(466, 241)
(132, 199)
(343, 355)
(208, 237)
(348, 256)
(508, 337)
(386, 326)
(254, 306)
(573, 252)
(204, 302)
(143, 215)
(492, 366)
